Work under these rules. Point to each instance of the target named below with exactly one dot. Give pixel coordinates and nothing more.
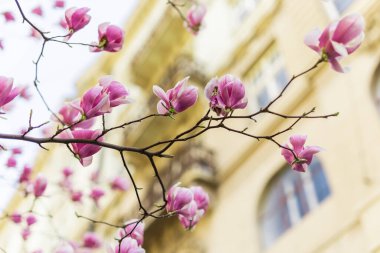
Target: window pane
(299, 192)
(263, 98)
(321, 186)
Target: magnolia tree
(75, 121)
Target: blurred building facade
(258, 203)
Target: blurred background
(258, 204)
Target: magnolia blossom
(110, 38)
(92, 241)
(178, 198)
(120, 184)
(83, 151)
(11, 162)
(59, 3)
(39, 186)
(128, 245)
(37, 10)
(62, 23)
(177, 99)
(94, 102)
(16, 217)
(195, 17)
(67, 172)
(25, 174)
(25, 233)
(16, 151)
(117, 93)
(9, 17)
(304, 155)
(338, 39)
(76, 196)
(35, 33)
(8, 93)
(226, 94)
(134, 229)
(96, 194)
(31, 219)
(77, 18)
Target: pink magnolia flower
(67, 172)
(59, 4)
(62, 23)
(11, 162)
(177, 99)
(178, 198)
(226, 94)
(71, 115)
(9, 17)
(135, 230)
(7, 94)
(128, 245)
(110, 38)
(16, 217)
(94, 102)
(96, 194)
(25, 233)
(39, 186)
(38, 11)
(195, 17)
(120, 184)
(76, 196)
(31, 219)
(337, 40)
(304, 155)
(16, 151)
(25, 174)
(34, 34)
(77, 18)
(117, 93)
(92, 241)
(83, 151)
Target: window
(336, 7)
(289, 197)
(268, 79)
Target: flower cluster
(189, 203)
(79, 115)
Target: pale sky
(59, 69)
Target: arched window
(289, 197)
